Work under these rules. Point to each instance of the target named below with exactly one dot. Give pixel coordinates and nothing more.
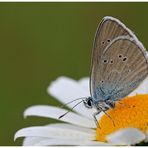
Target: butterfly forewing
(108, 30)
(119, 62)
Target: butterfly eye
(88, 102)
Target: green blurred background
(41, 41)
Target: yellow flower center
(129, 112)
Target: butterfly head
(99, 105)
(88, 102)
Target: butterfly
(118, 66)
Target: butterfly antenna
(71, 102)
(69, 110)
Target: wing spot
(103, 42)
(120, 56)
(105, 61)
(108, 40)
(111, 61)
(124, 59)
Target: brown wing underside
(123, 67)
(105, 65)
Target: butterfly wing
(119, 62)
(125, 67)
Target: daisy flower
(79, 128)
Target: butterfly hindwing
(119, 62)
(120, 76)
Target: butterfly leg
(109, 118)
(124, 105)
(96, 121)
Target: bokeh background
(42, 41)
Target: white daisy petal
(69, 142)
(146, 138)
(84, 82)
(142, 89)
(65, 89)
(55, 113)
(54, 132)
(127, 136)
(30, 141)
(45, 141)
(74, 127)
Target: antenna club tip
(60, 117)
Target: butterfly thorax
(100, 105)
(104, 105)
